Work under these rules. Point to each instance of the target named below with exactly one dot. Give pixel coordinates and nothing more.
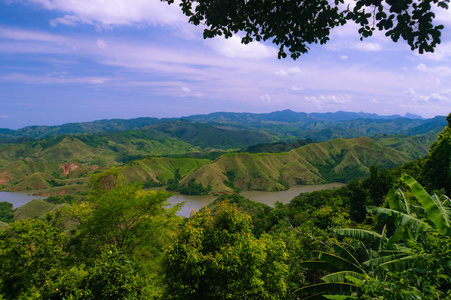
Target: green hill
(276, 147)
(336, 160)
(158, 170)
(34, 209)
(412, 146)
(47, 178)
(3, 225)
(208, 136)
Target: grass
(33, 209)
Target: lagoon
(197, 202)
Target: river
(197, 202)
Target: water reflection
(197, 202)
(269, 198)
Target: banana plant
(344, 270)
(382, 253)
(433, 214)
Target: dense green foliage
(311, 22)
(6, 212)
(437, 165)
(224, 261)
(106, 247)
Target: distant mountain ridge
(290, 116)
(111, 125)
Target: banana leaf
(436, 211)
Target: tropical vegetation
(385, 235)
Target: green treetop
(295, 24)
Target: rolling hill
(271, 156)
(335, 160)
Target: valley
(218, 153)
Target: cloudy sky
(82, 60)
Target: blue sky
(73, 61)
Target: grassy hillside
(45, 178)
(412, 146)
(208, 136)
(159, 169)
(34, 209)
(276, 147)
(336, 160)
(3, 225)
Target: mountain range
(226, 151)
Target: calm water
(17, 198)
(269, 198)
(197, 202)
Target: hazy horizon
(185, 116)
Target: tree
(128, 218)
(436, 172)
(218, 257)
(378, 184)
(105, 181)
(6, 212)
(295, 24)
(29, 250)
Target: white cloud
(441, 52)
(296, 88)
(48, 80)
(432, 97)
(441, 71)
(344, 57)
(114, 12)
(233, 48)
(266, 98)
(443, 16)
(27, 35)
(328, 100)
(96, 81)
(4, 116)
(69, 20)
(290, 71)
(101, 44)
(186, 89)
(368, 47)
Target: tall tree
(218, 257)
(295, 24)
(436, 172)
